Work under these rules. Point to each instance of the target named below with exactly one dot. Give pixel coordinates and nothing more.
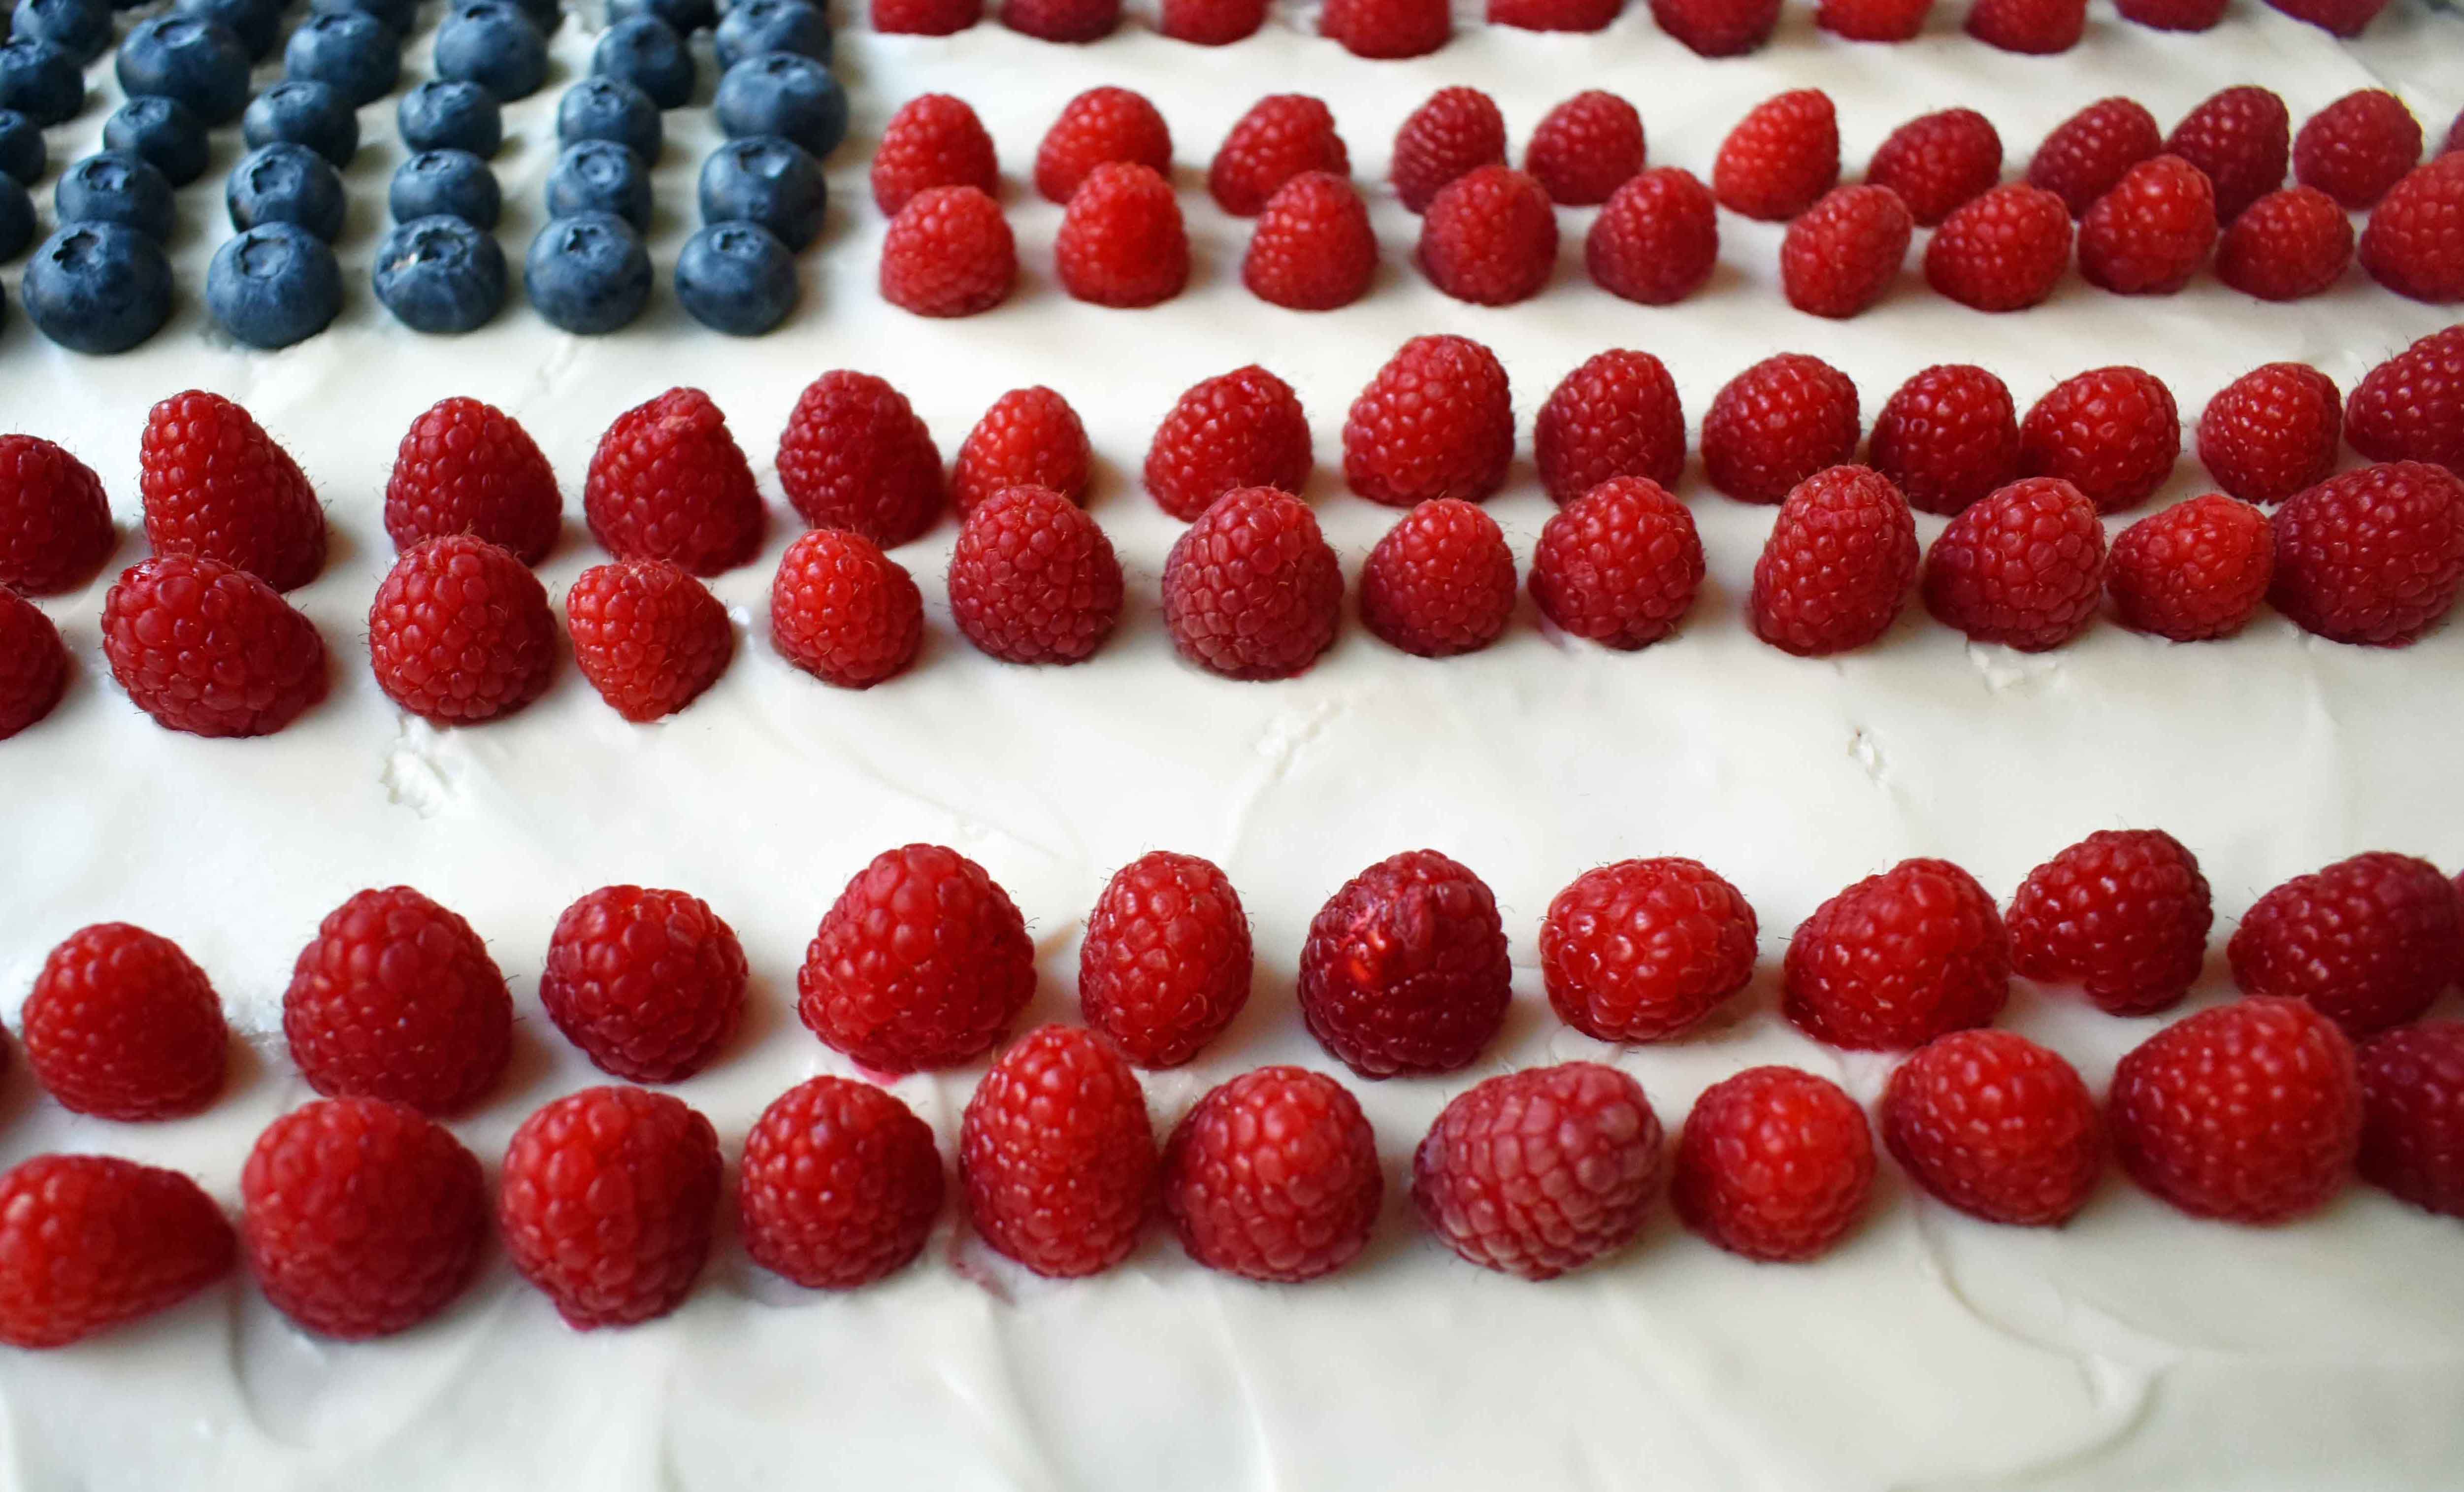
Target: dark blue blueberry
(115, 186)
(22, 155)
(684, 17)
(737, 277)
(352, 51)
(545, 15)
(274, 285)
(97, 287)
(256, 23)
(81, 27)
(494, 44)
(305, 114)
(395, 15)
(17, 218)
(440, 274)
(446, 184)
(199, 62)
(163, 133)
(600, 176)
(782, 94)
(286, 183)
(442, 116)
(611, 108)
(753, 26)
(40, 81)
(767, 181)
(648, 53)
(589, 273)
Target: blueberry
(17, 218)
(40, 81)
(161, 132)
(440, 274)
(256, 23)
(286, 183)
(442, 116)
(305, 114)
(494, 44)
(737, 277)
(755, 27)
(684, 17)
(201, 63)
(22, 155)
(274, 285)
(397, 16)
(545, 15)
(79, 28)
(352, 51)
(589, 274)
(782, 94)
(767, 181)
(647, 53)
(446, 184)
(611, 108)
(98, 287)
(115, 186)
(600, 176)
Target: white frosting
(2133, 1348)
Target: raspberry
(2030, 26)
(1252, 590)
(1616, 415)
(1405, 970)
(1382, 29)
(1030, 437)
(1457, 131)
(2088, 154)
(2024, 566)
(2174, 16)
(1777, 424)
(1098, 127)
(1442, 581)
(1996, 1125)
(1033, 578)
(648, 636)
(461, 632)
(217, 487)
(1947, 437)
(1057, 1154)
(1542, 1171)
(1241, 429)
(2356, 147)
(2004, 252)
(949, 252)
(1584, 148)
(1938, 161)
(932, 140)
(2240, 139)
(1658, 239)
(1437, 421)
(2373, 556)
(469, 467)
(2271, 431)
(2410, 407)
(1489, 238)
(1166, 960)
(1898, 959)
(2150, 234)
(608, 1200)
(1555, 15)
(1061, 20)
(2412, 1114)
(926, 18)
(1841, 255)
(1643, 949)
(54, 523)
(2414, 242)
(122, 1026)
(88, 1243)
(1717, 27)
(923, 961)
(1274, 1176)
(1312, 249)
(362, 1217)
(840, 1186)
(1281, 137)
(2342, 17)
(2123, 914)
(2195, 571)
(1619, 564)
(1212, 23)
(33, 664)
(396, 998)
(669, 482)
(1773, 1164)
(1122, 242)
(209, 649)
(2111, 432)
(855, 456)
(1781, 157)
(649, 984)
(1837, 565)
(845, 612)
(1872, 20)
(2369, 942)
(2287, 245)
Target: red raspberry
(122, 1026)
(650, 984)
(1241, 429)
(2241, 139)
(2271, 431)
(2033, 27)
(209, 649)
(1541, 1171)
(845, 612)
(606, 1202)
(1996, 1125)
(2342, 17)
(362, 1217)
(1061, 20)
(1619, 564)
(855, 456)
(1773, 1164)
(1658, 239)
(948, 253)
(669, 482)
(1841, 255)
(2150, 234)
(2195, 571)
(1777, 424)
(1939, 162)
(1458, 130)
(1281, 137)
(1437, 421)
(1405, 970)
(648, 636)
(1616, 415)
(1097, 127)
(1033, 578)
(923, 961)
(1388, 27)
(1252, 590)
(1212, 23)
(2414, 242)
(1122, 242)
(2412, 1114)
(932, 140)
(1781, 157)
(2088, 154)
(2123, 914)
(88, 1243)
(2111, 432)
(1838, 566)
(2175, 16)
(1643, 949)
(1057, 1154)
(2024, 566)
(1555, 15)
(216, 486)
(1947, 437)
(1166, 962)
(1717, 27)
(396, 998)
(1442, 581)
(33, 664)
(2410, 407)
(1030, 437)
(2287, 245)
(1872, 20)
(54, 523)
(2004, 252)
(1274, 1176)
(1898, 959)
(840, 1186)
(461, 632)
(2373, 556)
(469, 467)
(926, 18)
(2369, 941)
(2356, 147)
(1584, 148)
(1312, 249)
(1490, 237)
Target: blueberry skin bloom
(79, 28)
(98, 288)
(286, 183)
(439, 115)
(162, 133)
(115, 186)
(256, 23)
(782, 94)
(645, 53)
(494, 44)
(765, 180)
(274, 285)
(753, 26)
(600, 176)
(303, 113)
(353, 52)
(22, 153)
(611, 108)
(737, 277)
(40, 81)
(16, 217)
(198, 62)
(446, 184)
(441, 276)
(589, 273)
